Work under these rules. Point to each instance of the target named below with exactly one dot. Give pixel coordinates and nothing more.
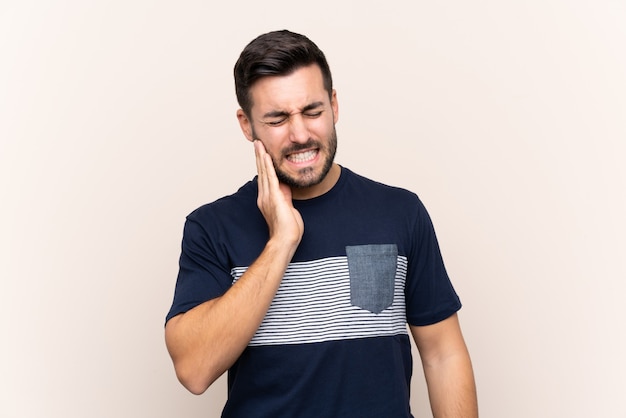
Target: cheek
(322, 128)
(273, 146)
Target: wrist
(282, 246)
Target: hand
(274, 201)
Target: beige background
(117, 118)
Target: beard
(308, 176)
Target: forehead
(290, 92)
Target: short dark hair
(274, 54)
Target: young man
(301, 283)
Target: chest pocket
(372, 271)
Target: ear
(245, 124)
(334, 105)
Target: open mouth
(302, 157)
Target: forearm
(205, 341)
(451, 387)
(448, 369)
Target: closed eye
(277, 122)
(278, 118)
(313, 114)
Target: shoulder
(243, 200)
(393, 202)
(372, 188)
(228, 223)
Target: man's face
(295, 120)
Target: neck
(319, 189)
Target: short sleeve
(203, 270)
(430, 296)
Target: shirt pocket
(372, 271)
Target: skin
(447, 368)
(291, 125)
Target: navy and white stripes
(313, 305)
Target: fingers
(265, 171)
(274, 200)
(265, 167)
(270, 193)
(259, 151)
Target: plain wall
(117, 118)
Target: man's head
(274, 54)
(288, 104)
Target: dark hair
(274, 54)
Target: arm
(448, 369)
(205, 341)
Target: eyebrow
(282, 113)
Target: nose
(298, 130)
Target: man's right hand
(205, 341)
(274, 201)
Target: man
(301, 283)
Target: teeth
(302, 156)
